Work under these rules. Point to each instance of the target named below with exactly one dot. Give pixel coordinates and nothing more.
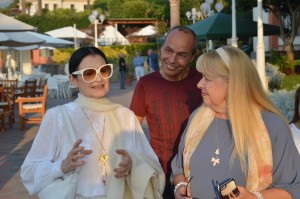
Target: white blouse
(296, 136)
(52, 144)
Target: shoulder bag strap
(69, 125)
(70, 128)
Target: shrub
(284, 101)
(290, 82)
(282, 62)
(274, 77)
(62, 55)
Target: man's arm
(140, 119)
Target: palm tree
(174, 13)
(28, 6)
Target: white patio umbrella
(30, 40)
(9, 24)
(18, 39)
(52, 41)
(146, 31)
(20, 48)
(112, 36)
(68, 32)
(27, 40)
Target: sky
(4, 3)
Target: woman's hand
(244, 194)
(124, 167)
(74, 157)
(183, 192)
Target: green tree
(57, 19)
(14, 4)
(115, 8)
(136, 8)
(287, 12)
(128, 9)
(100, 4)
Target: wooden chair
(40, 88)
(8, 83)
(32, 105)
(6, 107)
(9, 93)
(28, 90)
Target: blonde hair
(246, 98)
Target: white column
(233, 37)
(260, 48)
(75, 37)
(96, 33)
(174, 13)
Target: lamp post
(205, 7)
(205, 11)
(194, 15)
(93, 19)
(234, 39)
(260, 48)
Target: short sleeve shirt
(166, 106)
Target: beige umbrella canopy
(9, 24)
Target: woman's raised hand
(124, 167)
(74, 157)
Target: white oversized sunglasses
(90, 74)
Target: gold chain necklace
(216, 158)
(102, 156)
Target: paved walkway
(15, 144)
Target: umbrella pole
(21, 61)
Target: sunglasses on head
(90, 74)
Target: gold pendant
(103, 158)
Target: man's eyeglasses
(90, 74)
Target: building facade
(273, 42)
(77, 5)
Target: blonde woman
(237, 133)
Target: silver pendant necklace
(216, 157)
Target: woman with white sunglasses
(111, 149)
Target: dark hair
(296, 105)
(81, 53)
(185, 29)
